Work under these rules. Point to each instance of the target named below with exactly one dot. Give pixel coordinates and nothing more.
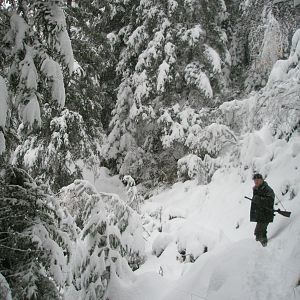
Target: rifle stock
(286, 214)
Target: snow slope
(211, 223)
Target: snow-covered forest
(130, 131)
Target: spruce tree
(174, 52)
(37, 52)
(34, 251)
(110, 240)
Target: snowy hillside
(130, 131)
(200, 241)
(210, 223)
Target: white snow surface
(211, 223)
(104, 182)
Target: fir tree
(111, 238)
(41, 57)
(92, 85)
(34, 251)
(37, 52)
(175, 52)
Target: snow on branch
(28, 72)
(55, 18)
(193, 35)
(29, 110)
(3, 112)
(189, 166)
(211, 139)
(198, 79)
(109, 229)
(285, 69)
(52, 70)
(214, 58)
(17, 33)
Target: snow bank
(211, 223)
(160, 243)
(148, 286)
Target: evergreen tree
(256, 47)
(174, 52)
(54, 142)
(37, 52)
(134, 198)
(111, 237)
(34, 251)
(92, 86)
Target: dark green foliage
(92, 86)
(60, 149)
(171, 53)
(62, 141)
(31, 245)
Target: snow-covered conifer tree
(110, 241)
(55, 142)
(134, 198)
(37, 52)
(34, 251)
(38, 42)
(174, 52)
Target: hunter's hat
(257, 176)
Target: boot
(264, 242)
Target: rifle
(281, 212)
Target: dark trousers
(261, 231)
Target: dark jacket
(262, 204)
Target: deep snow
(211, 223)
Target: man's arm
(268, 197)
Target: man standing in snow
(261, 210)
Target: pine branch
(21, 250)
